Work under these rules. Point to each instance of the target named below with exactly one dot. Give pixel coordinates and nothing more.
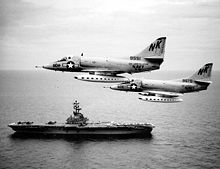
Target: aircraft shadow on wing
(168, 91)
(106, 69)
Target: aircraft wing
(160, 93)
(160, 96)
(101, 75)
(102, 71)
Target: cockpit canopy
(129, 81)
(65, 59)
(125, 82)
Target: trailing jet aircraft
(106, 70)
(168, 91)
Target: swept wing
(161, 93)
(102, 71)
(160, 96)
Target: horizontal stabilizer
(202, 81)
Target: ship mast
(76, 108)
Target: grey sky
(36, 32)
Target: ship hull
(89, 130)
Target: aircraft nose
(49, 66)
(114, 87)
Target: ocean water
(187, 134)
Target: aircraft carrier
(78, 125)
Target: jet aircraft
(106, 70)
(168, 91)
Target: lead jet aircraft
(168, 91)
(106, 70)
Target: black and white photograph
(109, 84)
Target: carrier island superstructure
(78, 125)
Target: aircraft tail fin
(154, 52)
(203, 75)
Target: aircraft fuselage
(180, 86)
(87, 64)
(168, 91)
(121, 65)
(172, 86)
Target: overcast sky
(36, 32)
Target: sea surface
(187, 134)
